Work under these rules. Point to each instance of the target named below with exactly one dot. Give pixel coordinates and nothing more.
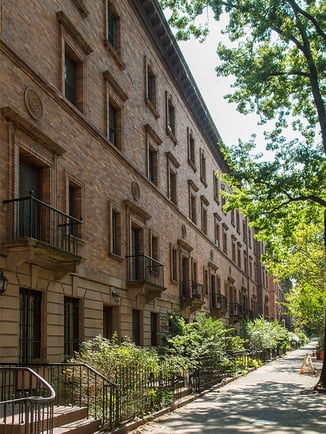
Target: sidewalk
(275, 398)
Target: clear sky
(202, 60)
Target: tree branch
(309, 17)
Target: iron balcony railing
(219, 301)
(30, 217)
(26, 401)
(236, 309)
(142, 268)
(192, 290)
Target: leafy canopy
(277, 56)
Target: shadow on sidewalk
(266, 408)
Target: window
(222, 196)
(152, 154)
(250, 238)
(250, 266)
(116, 96)
(205, 280)
(193, 208)
(174, 263)
(115, 232)
(70, 79)
(203, 167)
(30, 321)
(112, 37)
(234, 255)
(150, 88)
(191, 149)
(75, 194)
(170, 117)
(152, 165)
(216, 188)
(225, 239)
(245, 230)
(112, 29)
(213, 292)
(154, 329)
(154, 250)
(245, 262)
(73, 62)
(204, 219)
(237, 220)
(173, 165)
(232, 217)
(173, 186)
(239, 254)
(73, 78)
(71, 325)
(193, 189)
(217, 235)
(113, 124)
(136, 326)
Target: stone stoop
(73, 420)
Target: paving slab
(275, 398)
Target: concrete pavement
(275, 398)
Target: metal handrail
(80, 385)
(34, 411)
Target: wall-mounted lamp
(116, 295)
(3, 283)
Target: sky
(202, 60)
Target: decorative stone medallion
(135, 190)
(33, 103)
(183, 231)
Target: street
(275, 398)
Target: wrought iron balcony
(236, 310)
(219, 302)
(192, 290)
(145, 275)
(42, 229)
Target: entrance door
(29, 181)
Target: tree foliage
(262, 334)
(277, 57)
(204, 337)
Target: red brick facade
(101, 118)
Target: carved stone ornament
(33, 103)
(135, 190)
(183, 231)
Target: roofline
(151, 15)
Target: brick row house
(111, 213)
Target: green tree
(277, 58)
(303, 261)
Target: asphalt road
(275, 398)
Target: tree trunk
(321, 385)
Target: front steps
(65, 420)
(73, 420)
